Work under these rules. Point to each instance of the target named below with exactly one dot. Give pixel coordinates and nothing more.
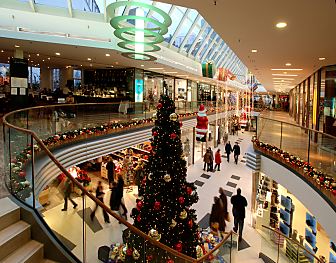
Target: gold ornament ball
(154, 118)
(122, 254)
(115, 250)
(167, 178)
(173, 223)
(173, 117)
(199, 251)
(136, 254)
(154, 234)
(183, 214)
(212, 240)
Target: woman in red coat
(218, 159)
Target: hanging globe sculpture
(138, 33)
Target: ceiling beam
(70, 8)
(32, 5)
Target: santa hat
(201, 111)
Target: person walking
(239, 203)
(228, 150)
(206, 160)
(100, 195)
(223, 198)
(120, 195)
(236, 152)
(110, 167)
(114, 201)
(67, 195)
(218, 160)
(216, 221)
(211, 159)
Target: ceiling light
(254, 51)
(2, 51)
(43, 60)
(288, 64)
(38, 54)
(57, 54)
(107, 55)
(142, 65)
(90, 65)
(321, 58)
(17, 46)
(285, 74)
(89, 59)
(288, 69)
(155, 68)
(48, 58)
(281, 25)
(284, 78)
(112, 66)
(81, 65)
(48, 66)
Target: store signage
(19, 76)
(139, 88)
(225, 74)
(139, 34)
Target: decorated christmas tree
(165, 197)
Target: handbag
(227, 217)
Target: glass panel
(184, 29)
(176, 17)
(96, 6)
(200, 40)
(192, 37)
(58, 3)
(207, 44)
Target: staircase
(16, 244)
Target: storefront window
(153, 87)
(180, 89)
(168, 86)
(56, 78)
(34, 77)
(328, 87)
(77, 77)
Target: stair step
(13, 237)
(30, 252)
(9, 213)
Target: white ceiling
(250, 24)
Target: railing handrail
(292, 240)
(95, 199)
(299, 126)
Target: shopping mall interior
(167, 131)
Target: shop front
(277, 208)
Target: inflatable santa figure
(202, 124)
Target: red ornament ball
(181, 200)
(157, 205)
(138, 218)
(178, 247)
(173, 136)
(170, 261)
(190, 223)
(181, 124)
(149, 257)
(159, 106)
(139, 205)
(22, 174)
(129, 252)
(155, 133)
(189, 190)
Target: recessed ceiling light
(38, 54)
(89, 59)
(2, 51)
(288, 64)
(48, 66)
(142, 65)
(81, 65)
(43, 60)
(48, 58)
(281, 25)
(90, 65)
(32, 61)
(289, 75)
(254, 51)
(28, 55)
(112, 66)
(288, 69)
(107, 55)
(57, 54)
(284, 78)
(117, 62)
(17, 46)
(321, 58)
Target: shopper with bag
(239, 203)
(217, 222)
(207, 160)
(223, 198)
(100, 195)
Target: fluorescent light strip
(287, 69)
(289, 75)
(284, 78)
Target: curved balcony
(42, 142)
(303, 160)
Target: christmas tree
(165, 197)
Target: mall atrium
(167, 131)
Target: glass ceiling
(189, 34)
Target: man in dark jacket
(228, 150)
(238, 210)
(67, 195)
(236, 152)
(110, 167)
